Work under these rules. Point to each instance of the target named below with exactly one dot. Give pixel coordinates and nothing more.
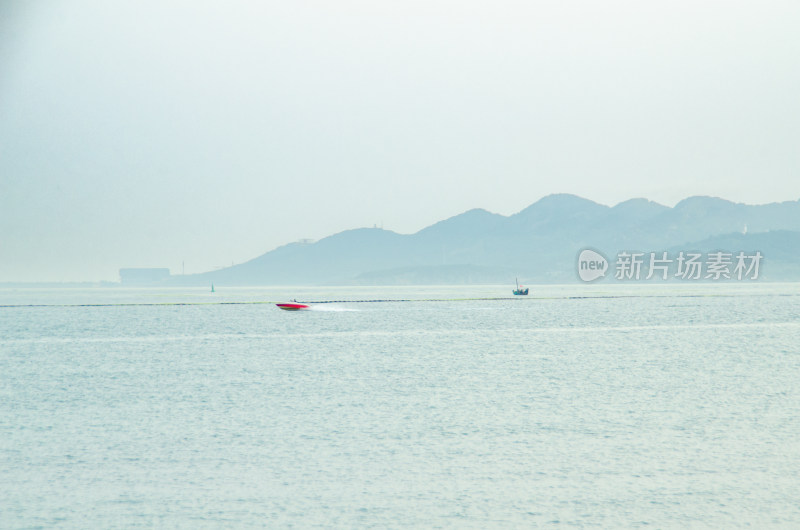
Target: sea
(609, 406)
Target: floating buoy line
(395, 300)
(256, 302)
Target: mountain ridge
(539, 243)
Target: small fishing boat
(520, 290)
(294, 305)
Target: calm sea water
(616, 406)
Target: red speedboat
(294, 305)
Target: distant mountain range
(539, 244)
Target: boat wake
(327, 307)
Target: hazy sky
(148, 134)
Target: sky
(194, 135)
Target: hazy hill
(538, 244)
